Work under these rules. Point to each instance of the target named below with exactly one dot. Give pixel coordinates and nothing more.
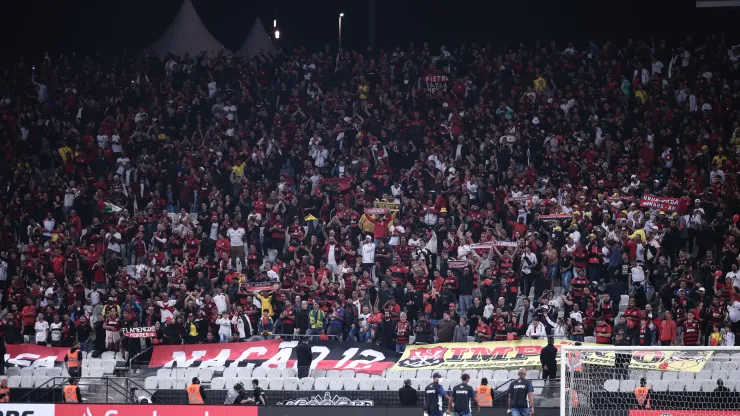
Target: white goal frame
(565, 349)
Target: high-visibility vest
(641, 394)
(6, 392)
(72, 360)
(194, 396)
(483, 394)
(573, 397)
(70, 394)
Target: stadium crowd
(390, 196)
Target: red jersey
(691, 333)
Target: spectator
(536, 329)
(445, 330)
(304, 357)
(407, 394)
(462, 330)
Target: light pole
(341, 15)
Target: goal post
(649, 381)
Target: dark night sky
(34, 26)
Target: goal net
(652, 381)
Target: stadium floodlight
(608, 379)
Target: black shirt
(463, 395)
(433, 393)
(258, 392)
(408, 396)
(518, 391)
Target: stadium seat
(164, 372)
(321, 383)
(685, 376)
(263, 382)
(85, 371)
(27, 371)
(694, 385)
(445, 382)
(276, 384)
(723, 374)
(380, 385)
(39, 381)
(394, 384)
(424, 374)
(708, 385)
(109, 366)
(362, 375)
(180, 384)
(259, 372)
(12, 371)
(486, 374)
(165, 383)
(191, 372)
(94, 362)
(659, 385)
(150, 383)
(306, 383)
(677, 385)
(54, 372)
(14, 381)
(290, 383)
(408, 374)
(178, 373)
(704, 375)
(734, 375)
(472, 373)
(217, 383)
(243, 372)
(351, 384)
(108, 355)
(230, 372)
(502, 385)
(653, 375)
(627, 386)
(205, 375)
(230, 382)
(670, 375)
(366, 384)
(333, 374)
(453, 374)
(513, 375)
(274, 373)
(392, 374)
(39, 372)
(290, 372)
(500, 375)
(345, 374)
(611, 385)
(316, 373)
(533, 374)
(97, 372)
(638, 374)
(336, 383)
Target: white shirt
(527, 267)
(576, 316)
(114, 246)
(638, 275)
(396, 232)
(3, 270)
(220, 301)
(331, 258)
(102, 140)
(116, 145)
(368, 253)
(536, 331)
(56, 331)
(41, 328)
(735, 277)
(224, 326)
(236, 236)
(734, 311)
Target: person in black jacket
(422, 330)
(548, 359)
(304, 356)
(408, 394)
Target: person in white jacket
(559, 328)
(243, 325)
(536, 329)
(224, 328)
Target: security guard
(433, 395)
(462, 398)
(642, 395)
(521, 395)
(483, 393)
(4, 391)
(196, 393)
(74, 360)
(72, 392)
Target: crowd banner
(515, 354)
(139, 332)
(617, 198)
(335, 181)
(327, 355)
(391, 206)
(32, 355)
(521, 199)
(433, 83)
(554, 217)
(457, 264)
(659, 202)
(377, 211)
(115, 409)
(498, 243)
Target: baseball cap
(436, 375)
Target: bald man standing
(521, 396)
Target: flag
(110, 208)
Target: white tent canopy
(186, 34)
(257, 39)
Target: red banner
(659, 202)
(377, 211)
(151, 410)
(652, 412)
(327, 355)
(435, 82)
(335, 181)
(26, 355)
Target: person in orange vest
(74, 360)
(196, 393)
(4, 391)
(72, 392)
(642, 395)
(483, 394)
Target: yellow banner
(393, 206)
(501, 355)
